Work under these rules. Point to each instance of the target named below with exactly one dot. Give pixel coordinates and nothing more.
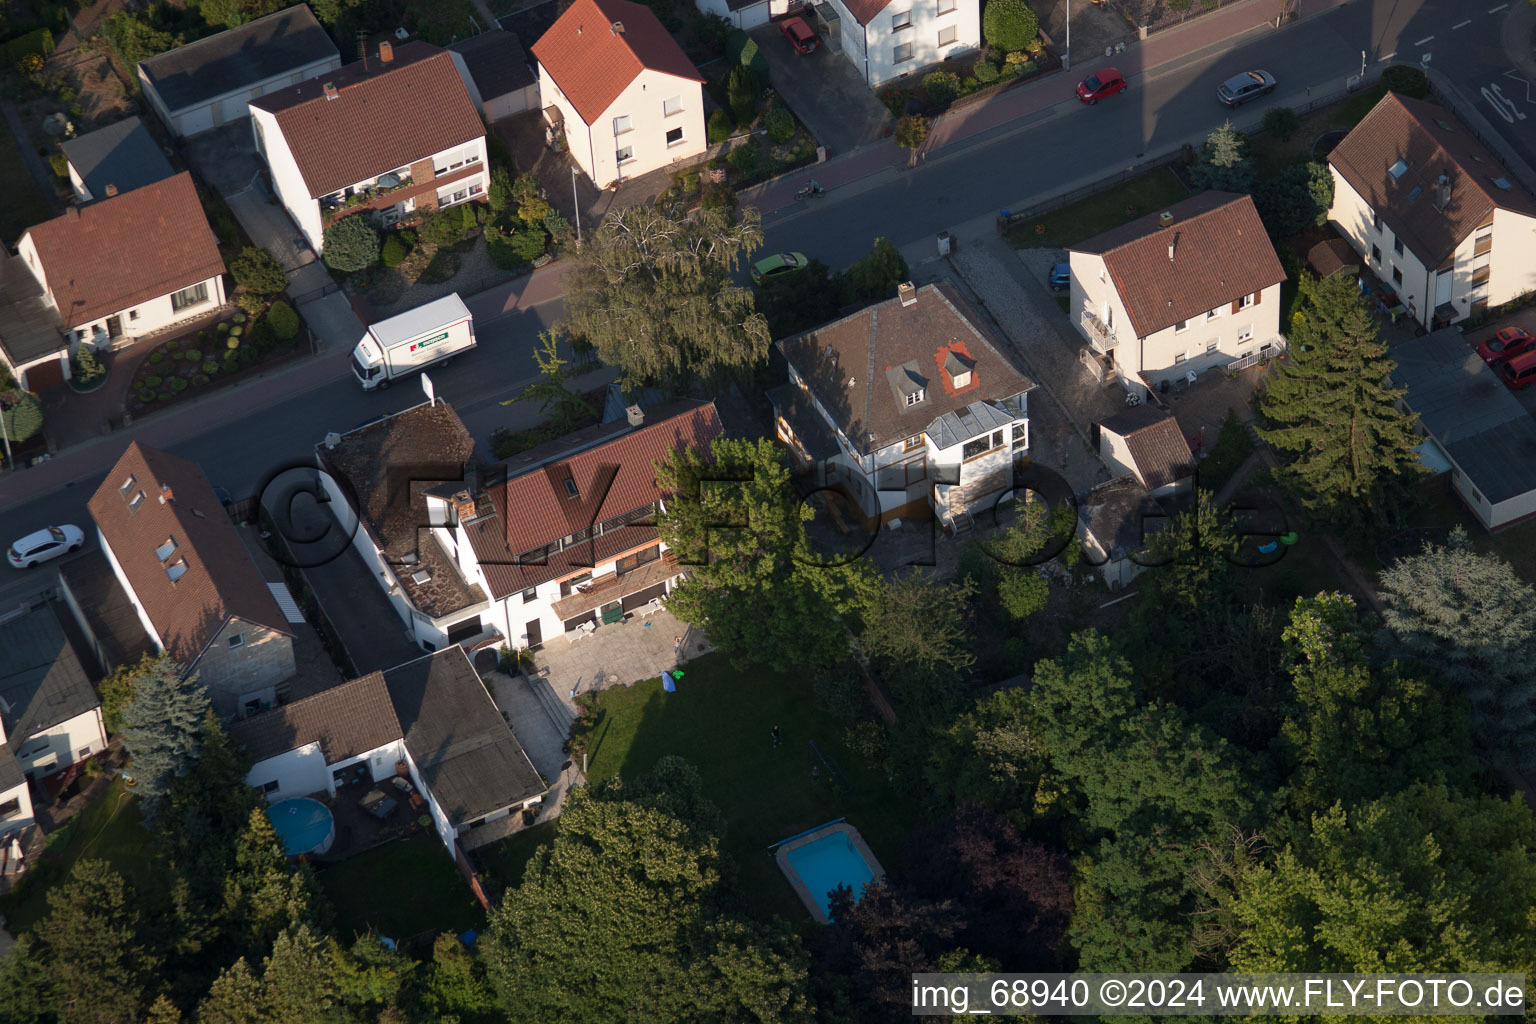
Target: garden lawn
(1100, 212)
(403, 888)
(1271, 154)
(24, 205)
(108, 829)
(721, 721)
(506, 859)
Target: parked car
(799, 35)
(1506, 344)
(778, 265)
(1061, 277)
(1520, 372)
(1099, 85)
(1239, 89)
(49, 542)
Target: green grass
(1271, 154)
(721, 721)
(108, 829)
(400, 889)
(24, 205)
(1232, 447)
(1100, 212)
(505, 859)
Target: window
(138, 499)
(1213, 314)
(625, 155)
(10, 808)
(1213, 345)
(1246, 334)
(192, 296)
(570, 488)
(1397, 170)
(982, 445)
(621, 124)
(177, 569)
(127, 485)
(947, 36)
(531, 594)
(1181, 327)
(1375, 220)
(84, 753)
(915, 397)
(269, 787)
(1245, 302)
(238, 640)
(629, 563)
(1483, 241)
(674, 136)
(901, 53)
(535, 557)
(672, 106)
(901, 20)
(948, 6)
(1397, 276)
(1180, 358)
(133, 314)
(912, 443)
(475, 190)
(1376, 254)
(164, 550)
(568, 587)
(461, 195)
(1397, 246)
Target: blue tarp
(668, 683)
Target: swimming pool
(304, 825)
(818, 861)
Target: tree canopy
(162, 729)
(1223, 162)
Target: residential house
(106, 284)
(1188, 289)
(209, 82)
(432, 716)
(33, 344)
(109, 161)
(387, 136)
(555, 538)
(1146, 442)
(890, 39)
(1116, 518)
(1476, 430)
(909, 406)
(626, 96)
(497, 74)
(1436, 214)
(198, 594)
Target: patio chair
(650, 607)
(585, 629)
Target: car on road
(1520, 372)
(1061, 277)
(799, 35)
(1506, 344)
(778, 265)
(1099, 85)
(49, 542)
(1239, 89)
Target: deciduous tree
(551, 390)
(1009, 25)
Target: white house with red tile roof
(386, 136)
(100, 271)
(628, 98)
(886, 39)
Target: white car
(43, 545)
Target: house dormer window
(138, 499)
(914, 397)
(167, 549)
(177, 569)
(127, 485)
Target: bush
(717, 196)
(238, 318)
(283, 321)
(192, 355)
(146, 395)
(59, 164)
(174, 345)
(67, 95)
(233, 342)
(1281, 122)
(231, 363)
(152, 381)
(258, 272)
(1407, 80)
(157, 356)
(742, 90)
(780, 124)
(942, 87)
(744, 158)
(223, 329)
(250, 303)
(249, 355)
(177, 384)
(1009, 24)
(559, 228)
(393, 251)
(351, 244)
(210, 366)
(261, 336)
(442, 228)
(498, 193)
(719, 127)
(199, 379)
(86, 368)
(986, 72)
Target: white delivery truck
(412, 341)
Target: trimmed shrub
(235, 332)
(262, 337)
(780, 124)
(157, 356)
(39, 42)
(233, 342)
(258, 272)
(394, 252)
(1009, 24)
(351, 244)
(986, 72)
(1407, 80)
(199, 379)
(238, 318)
(174, 345)
(153, 382)
(742, 90)
(163, 395)
(560, 230)
(498, 193)
(942, 87)
(744, 158)
(1281, 122)
(177, 384)
(442, 228)
(210, 366)
(192, 355)
(742, 49)
(223, 329)
(86, 368)
(719, 127)
(283, 321)
(145, 395)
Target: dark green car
(778, 265)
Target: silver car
(47, 543)
(1239, 89)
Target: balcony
(1100, 335)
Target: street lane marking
(1517, 77)
(1426, 39)
(1502, 104)
(1496, 10)
(1462, 25)
(1389, 56)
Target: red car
(1099, 85)
(799, 35)
(1520, 372)
(1506, 344)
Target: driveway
(825, 91)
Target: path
(41, 174)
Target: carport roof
(29, 326)
(598, 47)
(1469, 412)
(122, 155)
(496, 62)
(238, 58)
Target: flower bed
(213, 357)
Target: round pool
(303, 825)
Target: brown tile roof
(220, 582)
(592, 64)
(532, 507)
(384, 116)
(113, 254)
(346, 720)
(1221, 253)
(856, 365)
(1328, 257)
(1432, 142)
(1157, 445)
(866, 10)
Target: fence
(330, 288)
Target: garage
(42, 376)
(208, 83)
(497, 74)
(639, 598)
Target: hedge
(39, 42)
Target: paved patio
(616, 655)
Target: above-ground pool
(304, 825)
(820, 860)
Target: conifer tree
(1224, 162)
(162, 729)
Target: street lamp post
(1066, 54)
(6, 435)
(576, 202)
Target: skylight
(570, 488)
(1415, 193)
(177, 569)
(128, 485)
(165, 550)
(138, 499)
(1398, 169)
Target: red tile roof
(1220, 253)
(384, 116)
(593, 63)
(1156, 443)
(221, 582)
(865, 10)
(111, 255)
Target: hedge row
(39, 42)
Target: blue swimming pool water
(302, 824)
(828, 862)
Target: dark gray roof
(346, 720)
(1469, 412)
(29, 326)
(496, 62)
(463, 748)
(1116, 514)
(114, 624)
(10, 774)
(121, 154)
(809, 427)
(42, 682)
(238, 58)
(954, 427)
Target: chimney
(111, 190)
(1172, 245)
(166, 495)
(1443, 193)
(907, 293)
(636, 415)
(1165, 218)
(330, 90)
(617, 28)
(386, 52)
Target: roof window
(138, 499)
(167, 549)
(1398, 169)
(570, 488)
(127, 486)
(177, 569)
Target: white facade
(1237, 326)
(62, 745)
(16, 809)
(1493, 265)
(304, 771)
(747, 17)
(658, 120)
(908, 36)
(306, 210)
